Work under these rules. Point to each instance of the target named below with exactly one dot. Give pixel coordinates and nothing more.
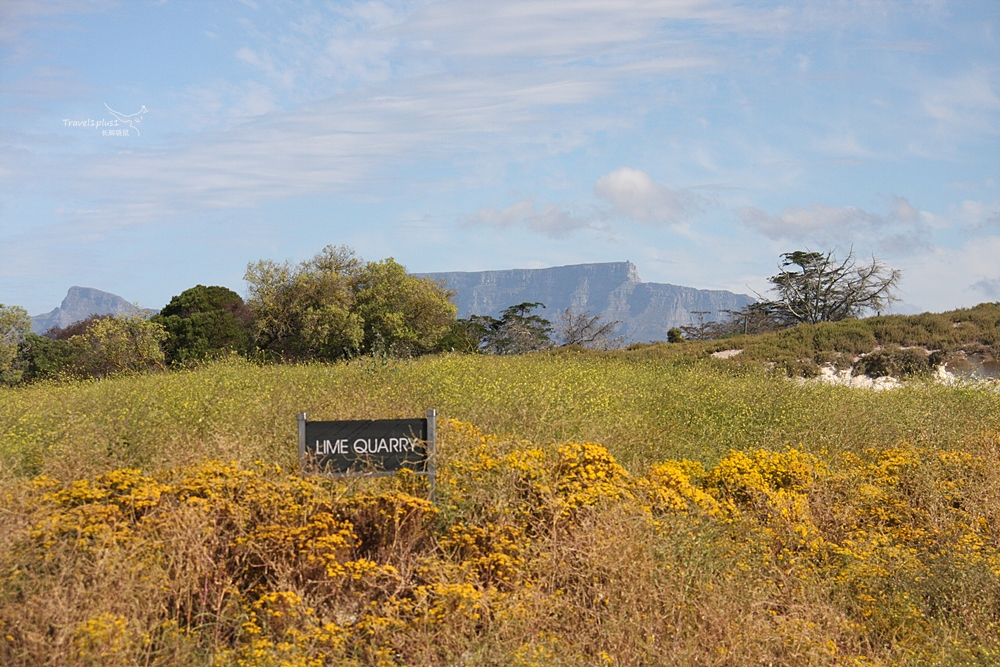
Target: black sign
(366, 446)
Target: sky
(147, 147)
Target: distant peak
(82, 302)
(77, 293)
(633, 273)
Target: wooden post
(432, 451)
(302, 441)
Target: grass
(643, 410)
(728, 516)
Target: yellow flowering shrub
(672, 486)
(491, 554)
(529, 555)
(280, 630)
(586, 474)
(105, 639)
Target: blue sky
(698, 139)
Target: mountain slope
(613, 289)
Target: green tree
(465, 336)
(51, 354)
(335, 305)
(14, 326)
(402, 314)
(203, 322)
(41, 356)
(675, 335)
(816, 287)
(304, 311)
(517, 331)
(113, 345)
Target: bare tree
(701, 331)
(589, 331)
(755, 318)
(816, 287)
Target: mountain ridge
(612, 289)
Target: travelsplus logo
(121, 125)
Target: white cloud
(799, 223)
(945, 278)
(550, 220)
(845, 145)
(262, 61)
(16, 16)
(903, 228)
(256, 100)
(634, 195)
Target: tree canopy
(202, 322)
(335, 305)
(518, 330)
(816, 287)
(14, 326)
(113, 345)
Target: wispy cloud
(988, 286)
(976, 216)
(550, 219)
(903, 228)
(18, 16)
(337, 145)
(965, 104)
(623, 194)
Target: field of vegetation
(593, 508)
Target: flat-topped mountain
(613, 289)
(79, 304)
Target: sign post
(369, 448)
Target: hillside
(614, 290)
(965, 342)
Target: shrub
(335, 306)
(112, 345)
(894, 361)
(14, 326)
(204, 322)
(552, 553)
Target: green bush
(204, 322)
(894, 361)
(797, 349)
